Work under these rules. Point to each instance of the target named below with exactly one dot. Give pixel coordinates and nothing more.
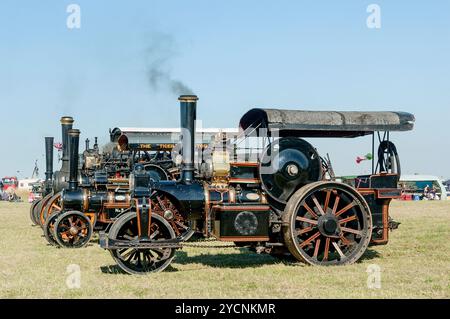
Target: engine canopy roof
(326, 123)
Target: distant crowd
(9, 194)
(430, 193)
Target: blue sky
(317, 55)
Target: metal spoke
(161, 203)
(128, 253)
(66, 233)
(131, 256)
(313, 214)
(327, 201)
(307, 220)
(181, 225)
(316, 249)
(348, 219)
(353, 231)
(304, 230)
(147, 261)
(338, 250)
(344, 240)
(316, 202)
(310, 239)
(346, 208)
(336, 203)
(156, 232)
(327, 249)
(139, 261)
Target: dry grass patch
(416, 263)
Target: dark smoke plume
(159, 55)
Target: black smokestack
(66, 125)
(188, 115)
(48, 161)
(74, 139)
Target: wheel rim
(49, 228)
(72, 230)
(51, 207)
(142, 261)
(38, 211)
(330, 225)
(33, 207)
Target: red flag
(58, 146)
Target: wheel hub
(328, 225)
(73, 230)
(168, 214)
(292, 170)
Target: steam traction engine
(95, 187)
(54, 181)
(284, 200)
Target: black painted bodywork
(190, 198)
(238, 221)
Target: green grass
(415, 264)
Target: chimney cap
(188, 98)
(74, 132)
(66, 120)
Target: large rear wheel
(137, 261)
(327, 223)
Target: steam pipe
(66, 125)
(188, 115)
(87, 144)
(74, 139)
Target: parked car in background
(10, 182)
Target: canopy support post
(373, 153)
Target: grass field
(416, 263)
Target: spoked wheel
(52, 206)
(164, 207)
(141, 261)
(49, 228)
(72, 229)
(40, 207)
(328, 223)
(33, 207)
(388, 159)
